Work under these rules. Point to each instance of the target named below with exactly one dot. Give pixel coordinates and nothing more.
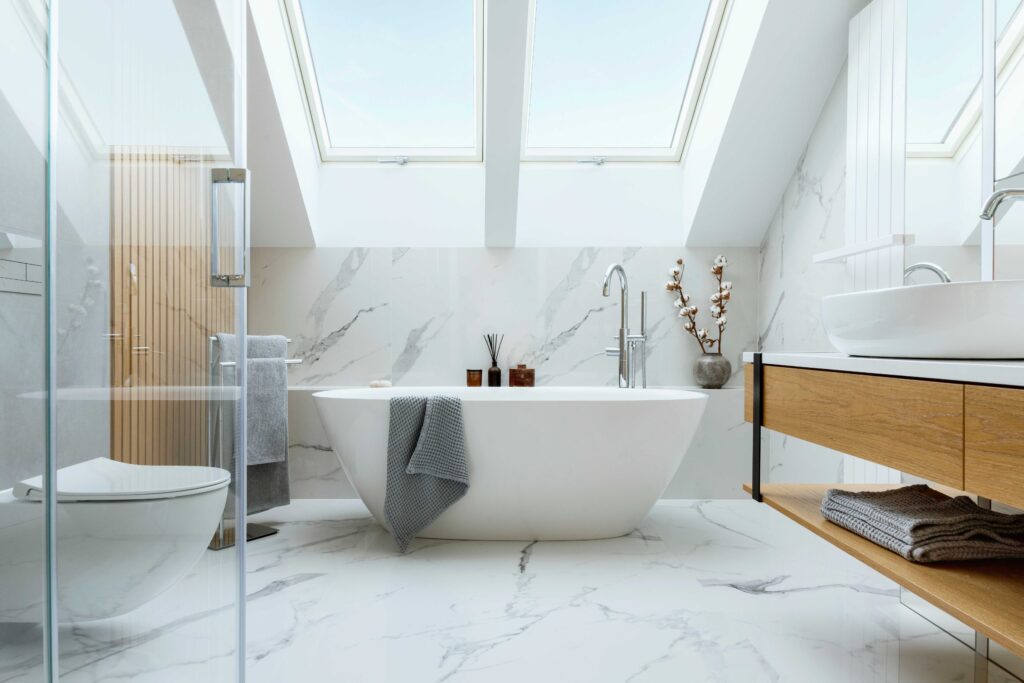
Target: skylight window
(390, 79)
(616, 80)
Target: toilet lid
(103, 479)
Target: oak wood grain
(916, 426)
(994, 443)
(986, 595)
(163, 315)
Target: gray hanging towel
(268, 411)
(267, 423)
(427, 467)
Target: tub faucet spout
(628, 344)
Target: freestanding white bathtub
(545, 463)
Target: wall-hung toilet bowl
(125, 534)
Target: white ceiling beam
(505, 63)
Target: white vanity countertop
(1004, 372)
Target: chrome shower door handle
(230, 230)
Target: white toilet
(125, 534)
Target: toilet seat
(106, 480)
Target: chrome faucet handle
(638, 345)
(643, 314)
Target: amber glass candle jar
(474, 378)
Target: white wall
(383, 205)
(609, 205)
(809, 220)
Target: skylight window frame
(700, 72)
(401, 155)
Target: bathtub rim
(545, 394)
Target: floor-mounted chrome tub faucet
(630, 345)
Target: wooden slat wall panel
(160, 207)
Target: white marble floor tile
(703, 591)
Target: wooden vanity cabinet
(994, 443)
(915, 426)
(967, 436)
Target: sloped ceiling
(280, 214)
(796, 56)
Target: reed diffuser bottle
(493, 348)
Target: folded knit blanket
(924, 525)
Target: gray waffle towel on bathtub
(925, 525)
(427, 469)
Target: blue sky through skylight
(394, 73)
(611, 74)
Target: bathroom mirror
(944, 147)
(945, 152)
(1009, 137)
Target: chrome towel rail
(216, 448)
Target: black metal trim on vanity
(758, 401)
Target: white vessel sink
(955, 320)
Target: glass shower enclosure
(123, 265)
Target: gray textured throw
(427, 468)
(924, 525)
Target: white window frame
(401, 155)
(695, 86)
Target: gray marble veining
(702, 591)
(416, 316)
(808, 220)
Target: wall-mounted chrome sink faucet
(988, 212)
(631, 347)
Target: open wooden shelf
(987, 596)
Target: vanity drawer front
(915, 426)
(994, 443)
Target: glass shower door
(23, 153)
(149, 268)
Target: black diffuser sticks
(494, 342)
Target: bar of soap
(380, 384)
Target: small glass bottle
(494, 375)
